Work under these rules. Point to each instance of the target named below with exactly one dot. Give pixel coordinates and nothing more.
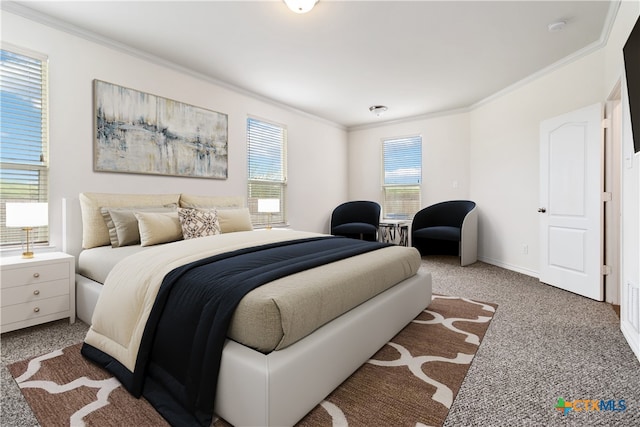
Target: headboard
(71, 227)
(83, 213)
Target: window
(24, 168)
(266, 158)
(402, 170)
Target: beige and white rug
(411, 381)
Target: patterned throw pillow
(198, 222)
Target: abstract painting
(136, 132)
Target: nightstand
(36, 290)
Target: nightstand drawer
(35, 292)
(34, 309)
(34, 274)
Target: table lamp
(27, 216)
(268, 206)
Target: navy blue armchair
(358, 219)
(447, 228)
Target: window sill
(273, 226)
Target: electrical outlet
(525, 249)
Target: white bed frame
(279, 388)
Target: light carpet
(412, 380)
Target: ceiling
(415, 57)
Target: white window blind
(24, 168)
(402, 171)
(266, 157)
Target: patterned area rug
(411, 381)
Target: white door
(571, 152)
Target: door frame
(611, 239)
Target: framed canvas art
(136, 132)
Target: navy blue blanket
(179, 357)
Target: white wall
(490, 151)
(630, 217)
(74, 62)
(445, 157)
(500, 169)
(627, 16)
(505, 158)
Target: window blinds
(402, 171)
(24, 169)
(266, 158)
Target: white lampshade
(269, 205)
(27, 214)
(300, 6)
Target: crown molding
(28, 13)
(593, 47)
(33, 15)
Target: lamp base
(27, 253)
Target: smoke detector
(556, 26)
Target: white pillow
(158, 227)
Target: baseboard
(507, 266)
(632, 337)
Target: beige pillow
(234, 220)
(123, 225)
(198, 222)
(210, 202)
(94, 229)
(156, 227)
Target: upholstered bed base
(87, 293)
(279, 388)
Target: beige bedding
(275, 316)
(270, 317)
(96, 263)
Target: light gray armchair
(447, 228)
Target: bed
(273, 377)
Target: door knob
(542, 210)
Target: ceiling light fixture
(378, 110)
(300, 6)
(556, 26)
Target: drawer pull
(36, 275)
(37, 309)
(36, 292)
